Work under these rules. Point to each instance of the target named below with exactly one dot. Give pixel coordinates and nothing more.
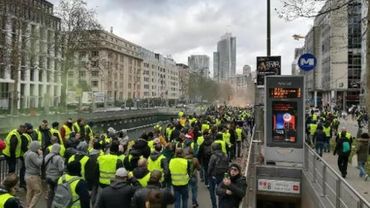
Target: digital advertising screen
(284, 121)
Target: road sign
(307, 62)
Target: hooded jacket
(54, 163)
(237, 187)
(33, 160)
(140, 172)
(117, 194)
(164, 162)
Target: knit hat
(121, 172)
(2, 144)
(234, 165)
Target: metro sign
(307, 62)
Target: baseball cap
(121, 172)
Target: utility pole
(268, 29)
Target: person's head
(35, 146)
(28, 128)
(81, 121)
(77, 136)
(154, 199)
(215, 147)
(179, 152)
(44, 124)
(155, 177)
(234, 170)
(10, 182)
(343, 129)
(74, 168)
(114, 148)
(69, 122)
(54, 140)
(121, 174)
(142, 162)
(55, 125)
(55, 148)
(96, 144)
(158, 147)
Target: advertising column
(284, 119)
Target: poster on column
(267, 65)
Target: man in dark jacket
(141, 172)
(232, 189)
(7, 192)
(204, 154)
(216, 170)
(118, 193)
(138, 201)
(43, 132)
(343, 149)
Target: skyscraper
(200, 64)
(224, 60)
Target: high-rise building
(200, 64)
(224, 60)
(30, 60)
(335, 40)
(247, 69)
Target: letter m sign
(307, 62)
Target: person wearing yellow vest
(205, 126)
(89, 134)
(141, 172)
(12, 149)
(44, 134)
(179, 170)
(83, 159)
(55, 140)
(8, 191)
(108, 164)
(328, 133)
(66, 130)
(219, 140)
(55, 132)
(78, 186)
(170, 128)
(158, 161)
(226, 138)
(78, 125)
(311, 129)
(239, 139)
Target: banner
(269, 65)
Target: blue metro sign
(307, 62)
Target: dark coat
(118, 194)
(238, 188)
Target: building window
(94, 83)
(95, 53)
(95, 73)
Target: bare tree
(80, 29)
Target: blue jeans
(327, 144)
(181, 195)
(193, 185)
(319, 148)
(361, 166)
(213, 183)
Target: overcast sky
(181, 28)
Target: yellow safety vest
(348, 135)
(169, 132)
(56, 131)
(200, 140)
(61, 151)
(39, 135)
(4, 198)
(73, 185)
(326, 130)
(76, 127)
(193, 120)
(314, 117)
(179, 171)
(107, 168)
(67, 132)
(238, 132)
(151, 145)
(156, 165)
(226, 138)
(223, 145)
(204, 127)
(182, 121)
(313, 128)
(6, 151)
(89, 129)
(144, 180)
(83, 162)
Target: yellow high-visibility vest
(73, 185)
(68, 132)
(238, 132)
(179, 171)
(313, 128)
(56, 131)
(223, 145)
(6, 151)
(4, 198)
(83, 162)
(107, 168)
(76, 127)
(144, 180)
(61, 151)
(326, 130)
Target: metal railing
(332, 188)
(249, 173)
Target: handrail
(249, 152)
(360, 197)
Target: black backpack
(222, 165)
